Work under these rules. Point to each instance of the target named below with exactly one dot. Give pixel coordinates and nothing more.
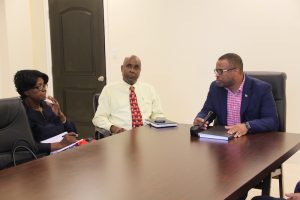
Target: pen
(71, 134)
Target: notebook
(75, 144)
(216, 132)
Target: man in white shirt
(114, 110)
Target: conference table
(148, 163)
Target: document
(56, 138)
(216, 132)
(161, 123)
(75, 144)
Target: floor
(291, 175)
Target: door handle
(101, 78)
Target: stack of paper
(56, 138)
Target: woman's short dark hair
(26, 79)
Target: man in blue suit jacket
(241, 103)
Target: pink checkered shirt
(234, 105)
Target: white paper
(67, 147)
(56, 138)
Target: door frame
(48, 47)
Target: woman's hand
(68, 139)
(56, 109)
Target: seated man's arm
(268, 119)
(156, 106)
(207, 107)
(101, 118)
(261, 115)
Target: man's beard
(225, 84)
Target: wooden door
(78, 58)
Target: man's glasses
(221, 71)
(41, 87)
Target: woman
(44, 114)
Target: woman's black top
(45, 125)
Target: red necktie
(136, 115)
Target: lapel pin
(246, 95)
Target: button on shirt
(114, 105)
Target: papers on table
(68, 147)
(161, 124)
(56, 138)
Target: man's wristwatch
(248, 126)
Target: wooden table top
(148, 163)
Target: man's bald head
(131, 69)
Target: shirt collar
(128, 85)
(240, 88)
(242, 85)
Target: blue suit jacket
(257, 106)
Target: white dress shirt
(114, 105)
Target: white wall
(19, 42)
(180, 41)
(23, 40)
(3, 46)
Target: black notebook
(161, 123)
(216, 132)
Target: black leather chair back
(95, 101)
(14, 126)
(278, 83)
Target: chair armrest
(101, 133)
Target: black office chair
(15, 134)
(278, 82)
(95, 101)
(99, 132)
